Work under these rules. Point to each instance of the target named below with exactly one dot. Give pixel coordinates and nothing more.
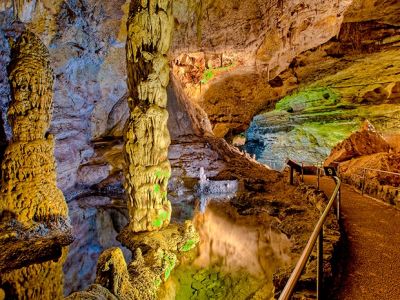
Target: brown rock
(112, 273)
(366, 141)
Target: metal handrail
(317, 233)
(364, 173)
(376, 170)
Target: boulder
(366, 141)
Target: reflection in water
(237, 257)
(236, 242)
(38, 281)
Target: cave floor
(370, 264)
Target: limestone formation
(33, 211)
(38, 281)
(146, 134)
(156, 254)
(112, 273)
(28, 187)
(366, 141)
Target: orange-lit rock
(366, 141)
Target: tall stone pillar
(28, 182)
(147, 138)
(33, 211)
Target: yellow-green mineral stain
(162, 174)
(309, 98)
(210, 73)
(157, 282)
(170, 265)
(188, 245)
(162, 216)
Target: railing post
(315, 238)
(318, 174)
(302, 172)
(320, 264)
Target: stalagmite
(33, 211)
(39, 281)
(28, 188)
(146, 135)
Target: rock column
(29, 194)
(147, 138)
(28, 187)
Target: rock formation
(363, 142)
(38, 281)
(28, 189)
(156, 254)
(260, 38)
(147, 137)
(368, 162)
(33, 211)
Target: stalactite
(28, 188)
(146, 135)
(18, 6)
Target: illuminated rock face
(28, 188)
(37, 281)
(146, 134)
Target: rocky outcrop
(86, 41)
(147, 138)
(234, 52)
(264, 36)
(37, 281)
(112, 273)
(368, 162)
(155, 256)
(336, 94)
(363, 142)
(96, 220)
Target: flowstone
(147, 138)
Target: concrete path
(371, 259)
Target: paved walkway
(371, 258)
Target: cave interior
(180, 149)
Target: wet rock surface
(329, 106)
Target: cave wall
(86, 41)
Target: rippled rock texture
(29, 190)
(147, 137)
(33, 211)
(335, 97)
